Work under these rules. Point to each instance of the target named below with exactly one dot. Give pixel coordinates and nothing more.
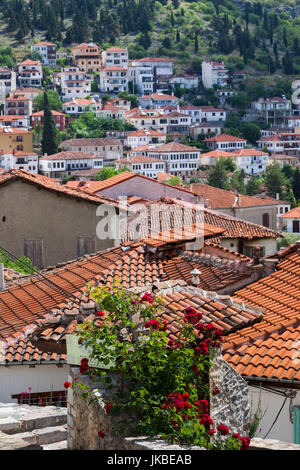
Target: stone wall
(230, 407)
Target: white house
(20, 160)
(225, 142)
(142, 76)
(182, 160)
(73, 83)
(285, 142)
(189, 82)
(78, 106)
(252, 161)
(8, 82)
(113, 79)
(290, 221)
(30, 73)
(162, 67)
(115, 57)
(144, 137)
(47, 51)
(61, 163)
(214, 73)
(158, 100)
(142, 165)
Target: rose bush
(163, 382)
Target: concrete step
(22, 419)
(61, 445)
(44, 436)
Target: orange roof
(49, 184)
(145, 132)
(13, 130)
(174, 147)
(81, 102)
(141, 159)
(30, 62)
(154, 59)
(249, 152)
(225, 138)
(292, 214)
(44, 43)
(218, 154)
(115, 49)
(41, 113)
(270, 350)
(71, 156)
(221, 198)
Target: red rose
(223, 429)
(101, 434)
(100, 314)
(216, 391)
(211, 432)
(67, 384)
(196, 369)
(147, 298)
(153, 324)
(107, 407)
(245, 442)
(171, 342)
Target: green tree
(49, 139)
(174, 181)
(253, 186)
(296, 183)
(251, 132)
(218, 176)
(274, 180)
(53, 100)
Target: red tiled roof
(174, 147)
(271, 349)
(225, 138)
(71, 156)
(292, 214)
(218, 154)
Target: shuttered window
(34, 250)
(85, 246)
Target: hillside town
(111, 172)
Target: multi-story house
(252, 161)
(274, 111)
(195, 112)
(37, 119)
(189, 82)
(214, 73)
(13, 139)
(205, 128)
(115, 57)
(111, 111)
(158, 100)
(17, 104)
(161, 67)
(224, 94)
(178, 122)
(73, 83)
(79, 106)
(8, 82)
(109, 149)
(211, 114)
(142, 77)
(61, 163)
(182, 160)
(20, 161)
(14, 121)
(87, 57)
(225, 142)
(285, 142)
(30, 73)
(113, 79)
(142, 165)
(290, 221)
(144, 137)
(293, 122)
(47, 51)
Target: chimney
(2, 282)
(256, 253)
(277, 196)
(195, 276)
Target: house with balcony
(109, 148)
(142, 165)
(74, 108)
(214, 73)
(252, 161)
(73, 83)
(146, 119)
(113, 79)
(158, 100)
(21, 122)
(47, 50)
(20, 160)
(87, 57)
(181, 160)
(285, 143)
(178, 122)
(16, 104)
(54, 166)
(225, 142)
(13, 139)
(30, 73)
(142, 76)
(144, 137)
(115, 57)
(188, 82)
(8, 82)
(274, 111)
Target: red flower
(101, 434)
(206, 419)
(107, 407)
(245, 442)
(147, 298)
(84, 365)
(216, 391)
(153, 324)
(211, 432)
(196, 369)
(236, 435)
(223, 429)
(67, 384)
(201, 349)
(185, 396)
(100, 314)
(171, 342)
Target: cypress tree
(49, 139)
(196, 47)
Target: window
(296, 226)
(266, 220)
(296, 424)
(85, 246)
(34, 250)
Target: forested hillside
(265, 35)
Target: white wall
(271, 403)
(17, 379)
